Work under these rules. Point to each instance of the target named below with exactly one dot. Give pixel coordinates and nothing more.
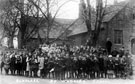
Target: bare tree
(93, 18)
(30, 21)
(22, 16)
(9, 16)
(49, 10)
(30, 15)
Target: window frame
(118, 34)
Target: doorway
(133, 46)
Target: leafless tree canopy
(28, 16)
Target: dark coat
(24, 63)
(13, 63)
(101, 64)
(18, 63)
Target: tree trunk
(19, 39)
(10, 42)
(22, 30)
(93, 38)
(47, 37)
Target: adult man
(108, 45)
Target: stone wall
(121, 21)
(79, 39)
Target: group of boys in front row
(62, 62)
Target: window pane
(118, 36)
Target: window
(118, 36)
(133, 12)
(133, 16)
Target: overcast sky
(71, 9)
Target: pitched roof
(64, 27)
(60, 26)
(78, 28)
(112, 10)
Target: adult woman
(34, 65)
(28, 59)
(41, 61)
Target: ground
(7, 79)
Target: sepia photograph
(67, 41)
